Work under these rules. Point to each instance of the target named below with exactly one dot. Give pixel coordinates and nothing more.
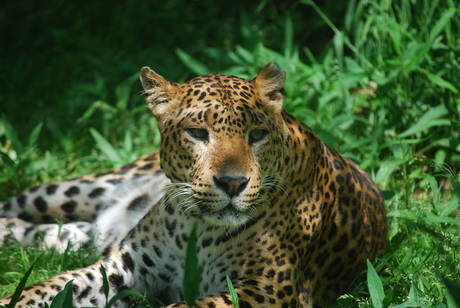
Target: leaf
(338, 46)
(408, 304)
(388, 298)
(437, 80)
(192, 271)
(128, 142)
(96, 105)
(413, 294)
(387, 194)
(12, 135)
(445, 220)
(123, 92)
(193, 64)
(414, 56)
(288, 36)
(64, 298)
(21, 286)
(7, 160)
(429, 119)
(375, 286)
(386, 169)
(105, 282)
(33, 137)
(122, 294)
(403, 214)
(105, 146)
(453, 294)
(441, 24)
(434, 186)
(233, 293)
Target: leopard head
(222, 141)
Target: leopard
(288, 220)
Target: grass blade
(105, 282)
(442, 22)
(105, 146)
(21, 286)
(33, 137)
(12, 135)
(64, 298)
(453, 294)
(427, 120)
(437, 80)
(233, 293)
(192, 271)
(193, 64)
(123, 294)
(375, 286)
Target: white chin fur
(227, 217)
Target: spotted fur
(95, 210)
(288, 219)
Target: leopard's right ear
(158, 91)
(269, 84)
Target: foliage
(192, 271)
(22, 284)
(384, 90)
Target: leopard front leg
(250, 296)
(131, 265)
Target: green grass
(405, 132)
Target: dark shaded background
(51, 49)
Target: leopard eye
(257, 135)
(198, 133)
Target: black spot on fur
(139, 203)
(7, 206)
(51, 189)
(343, 242)
(94, 301)
(84, 293)
(72, 217)
(21, 199)
(117, 281)
(115, 181)
(206, 242)
(147, 260)
(157, 251)
(25, 216)
(65, 236)
(47, 218)
(69, 207)
(72, 191)
(41, 204)
(96, 192)
(146, 167)
(128, 261)
(171, 226)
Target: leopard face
(221, 143)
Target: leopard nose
(231, 185)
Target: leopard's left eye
(198, 133)
(257, 135)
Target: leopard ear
(158, 91)
(269, 83)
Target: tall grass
(385, 92)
